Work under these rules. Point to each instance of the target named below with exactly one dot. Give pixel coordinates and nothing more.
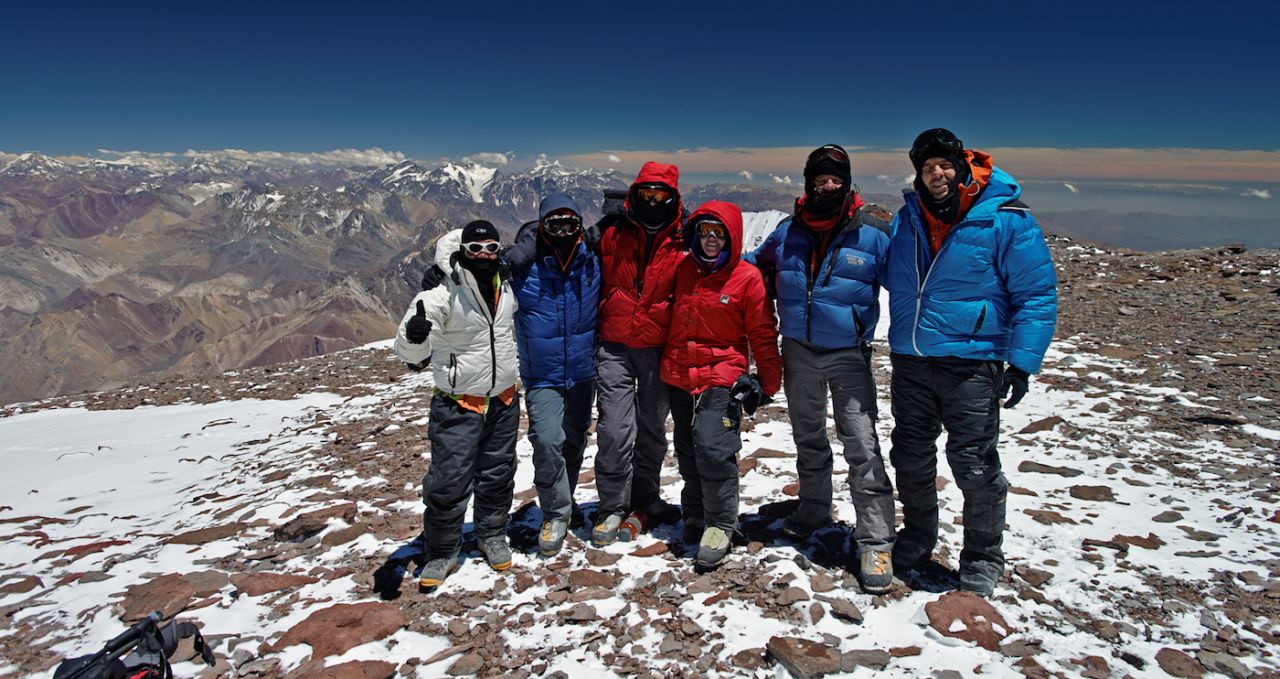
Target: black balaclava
(653, 218)
(482, 269)
(940, 143)
(829, 159)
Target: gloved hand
(747, 391)
(867, 351)
(417, 327)
(432, 277)
(591, 238)
(1015, 378)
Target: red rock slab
(21, 585)
(202, 535)
(80, 551)
(168, 593)
(257, 584)
(341, 627)
(652, 550)
(590, 578)
(976, 615)
(356, 669)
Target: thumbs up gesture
(417, 327)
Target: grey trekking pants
(631, 430)
(960, 395)
(470, 453)
(810, 373)
(707, 444)
(558, 422)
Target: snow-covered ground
(99, 493)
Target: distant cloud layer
(1071, 187)
(780, 180)
(1264, 194)
(1168, 164)
(747, 175)
(487, 158)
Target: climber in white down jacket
(465, 328)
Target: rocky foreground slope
(277, 507)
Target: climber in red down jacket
(720, 319)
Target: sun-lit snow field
(112, 486)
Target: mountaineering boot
(693, 527)
(496, 552)
(606, 531)
(713, 548)
(800, 525)
(875, 570)
(551, 537)
(631, 527)
(436, 570)
(661, 511)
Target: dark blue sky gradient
(432, 81)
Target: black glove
(867, 352)
(591, 238)
(1015, 378)
(417, 327)
(747, 391)
(432, 277)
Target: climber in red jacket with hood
(721, 319)
(639, 251)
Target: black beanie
(938, 142)
(829, 159)
(479, 230)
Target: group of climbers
(655, 312)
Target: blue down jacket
(991, 293)
(556, 318)
(839, 308)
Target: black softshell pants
(707, 444)
(928, 395)
(471, 454)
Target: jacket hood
(557, 201)
(446, 247)
(1001, 188)
(727, 213)
(657, 173)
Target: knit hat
(937, 143)
(829, 159)
(479, 230)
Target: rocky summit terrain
(277, 507)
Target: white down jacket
(471, 352)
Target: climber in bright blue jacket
(973, 302)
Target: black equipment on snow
(148, 645)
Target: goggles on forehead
(933, 143)
(712, 229)
(653, 193)
(490, 247)
(829, 151)
(562, 225)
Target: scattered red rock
(257, 584)
(341, 627)
(978, 618)
(209, 534)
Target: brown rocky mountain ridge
(1200, 325)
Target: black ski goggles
(832, 151)
(935, 143)
(490, 247)
(562, 225)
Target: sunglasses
(709, 229)
(490, 247)
(653, 194)
(829, 151)
(562, 225)
(819, 181)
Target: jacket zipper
(915, 327)
(981, 316)
(813, 278)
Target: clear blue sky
(431, 81)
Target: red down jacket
(720, 317)
(638, 270)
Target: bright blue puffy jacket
(839, 308)
(556, 319)
(991, 293)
